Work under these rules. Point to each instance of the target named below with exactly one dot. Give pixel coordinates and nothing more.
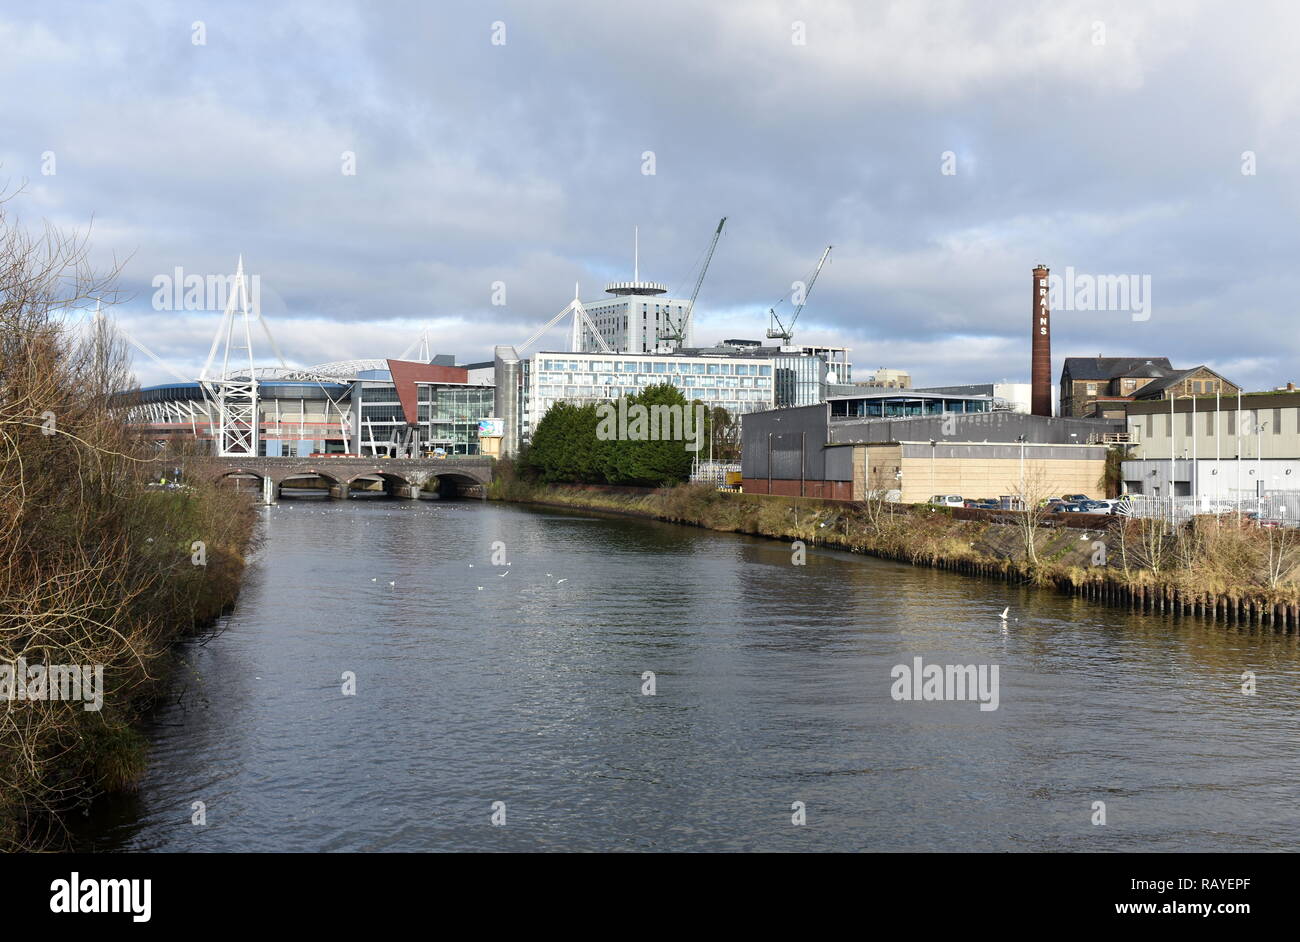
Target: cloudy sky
(504, 143)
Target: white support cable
(266, 329)
(411, 346)
(600, 341)
(549, 324)
(140, 346)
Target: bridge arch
(297, 473)
(331, 482)
(222, 473)
(394, 484)
(237, 478)
(452, 483)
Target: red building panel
(828, 490)
(406, 374)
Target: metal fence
(712, 472)
(1277, 508)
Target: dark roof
(1087, 368)
(1160, 385)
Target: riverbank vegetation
(100, 566)
(1218, 567)
(638, 442)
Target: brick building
(1099, 387)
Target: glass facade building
(800, 380)
(899, 405)
(738, 385)
(449, 417)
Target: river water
(478, 684)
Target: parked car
(1095, 506)
(947, 500)
(1066, 507)
(1077, 498)
(988, 503)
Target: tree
(724, 434)
(1031, 495)
(565, 447)
(1111, 482)
(1145, 543)
(657, 454)
(95, 568)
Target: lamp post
(932, 444)
(1259, 470)
(1173, 447)
(1237, 427)
(1021, 439)
(1195, 488)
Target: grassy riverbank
(1217, 569)
(100, 573)
(115, 589)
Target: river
(522, 684)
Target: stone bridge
(401, 477)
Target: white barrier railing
(1281, 508)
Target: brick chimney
(1040, 365)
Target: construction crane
(781, 330)
(677, 332)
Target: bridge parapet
(402, 476)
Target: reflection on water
(477, 684)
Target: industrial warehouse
(958, 447)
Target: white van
(947, 500)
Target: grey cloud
(478, 163)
